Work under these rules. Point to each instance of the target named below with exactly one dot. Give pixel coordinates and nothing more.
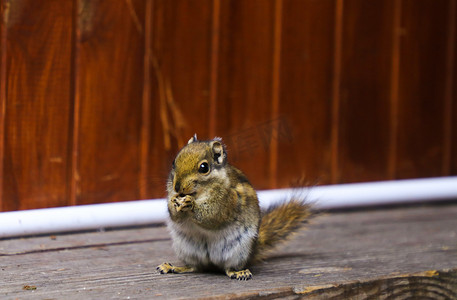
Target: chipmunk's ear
(193, 139)
(219, 153)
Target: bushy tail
(278, 223)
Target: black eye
(203, 168)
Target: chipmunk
(215, 219)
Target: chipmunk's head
(197, 164)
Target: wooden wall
(97, 96)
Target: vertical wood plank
(161, 150)
(182, 48)
(76, 124)
(110, 82)
(3, 9)
(306, 91)
(215, 49)
(394, 87)
(365, 110)
(245, 82)
(336, 91)
(38, 104)
(453, 168)
(449, 89)
(181, 81)
(422, 88)
(450, 127)
(147, 103)
(453, 91)
(275, 90)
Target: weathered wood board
(402, 252)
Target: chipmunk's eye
(203, 168)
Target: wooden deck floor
(402, 252)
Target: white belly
(228, 248)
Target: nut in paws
(185, 203)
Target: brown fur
(217, 211)
(278, 223)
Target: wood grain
(336, 90)
(365, 82)
(97, 96)
(181, 24)
(394, 87)
(306, 92)
(38, 104)
(245, 84)
(426, 285)
(2, 97)
(181, 58)
(396, 253)
(110, 87)
(449, 88)
(453, 91)
(422, 89)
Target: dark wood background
(97, 96)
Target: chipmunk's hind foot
(169, 268)
(239, 275)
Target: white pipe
(370, 193)
(83, 217)
(143, 212)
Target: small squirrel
(216, 222)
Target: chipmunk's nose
(178, 187)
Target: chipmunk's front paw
(185, 203)
(239, 275)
